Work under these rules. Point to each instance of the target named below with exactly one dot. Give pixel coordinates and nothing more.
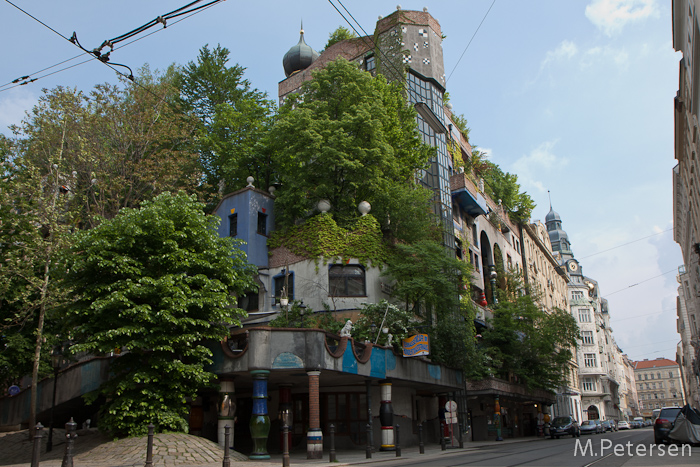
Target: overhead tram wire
(470, 41)
(641, 282)
(628, 243)
(93, 56)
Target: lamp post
(56, 361)
(493, 283)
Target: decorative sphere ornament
(324, 205)
(250, 181)
(364, 207)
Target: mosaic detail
(403, 29)
(415, 46)
(423, 32)
(407, 59)
(425, 44)
(426, 61)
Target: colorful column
(497, 419)
(314, 437)
(227, 410)
(386, 417)
(259, 420)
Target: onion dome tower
(557, 235)
(299, 57)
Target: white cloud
(541, 162)
(611, 16)
(565, 51)
(595, 55)
(13, 105)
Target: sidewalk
(92, 449)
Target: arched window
(346, 281)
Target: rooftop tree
(347, 137)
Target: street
(631, 448)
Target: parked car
(607, 425)
(664, 423)
(623, 425)
(564, 426)
(589, 427)
(600, 426)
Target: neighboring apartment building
(659, 384)
(686, 182)
(629, 405)
(687, 328)
(597, 354)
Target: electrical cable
(641, 282)
(470, 41)
(26, 79)
(628, 243)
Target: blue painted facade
(249, 205)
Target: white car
(623, 425)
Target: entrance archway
(593, 413)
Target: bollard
(70, 438)
(442, 439)
(227, 444)
(36, 452)
(396, 441)
(332, 458)
(368, 451)
(149, 448)
(421, 445)
(285, 446)
(461, 441)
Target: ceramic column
(259, 420)
(227, 410)
(386, 417)
(314, 437)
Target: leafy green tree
(399, 324)
(341, 138)
(427, 279)
(339, 35)
(528, 342)
(233, 119)
(504, 187)
(119, 144)
(35, 222)
(155, 284)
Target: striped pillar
(227, 410)
(259, 420)
(314, 437)
(386, 417)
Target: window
(233, 225)
(370, 63)
(249, 301)
(646, 377)
(658, 375)
(577, 295)
(262, 223)
(346, 281)
(584, 315)
(279, 284)
(348, 413)
(652, 375)
(587, 337)
(588, 384)
(589, 360)
(670, 375)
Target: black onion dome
(299, 57)
(552, 215)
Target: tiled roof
(657, 363)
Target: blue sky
(575, 97)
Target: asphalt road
(629, 448)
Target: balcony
(466, 195)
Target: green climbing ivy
(320, 237)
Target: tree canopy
(345, 137)
(233, 120)
(339, 35)
(154, 283)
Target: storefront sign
(416, 345)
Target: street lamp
(493, 283)
(56, 361)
